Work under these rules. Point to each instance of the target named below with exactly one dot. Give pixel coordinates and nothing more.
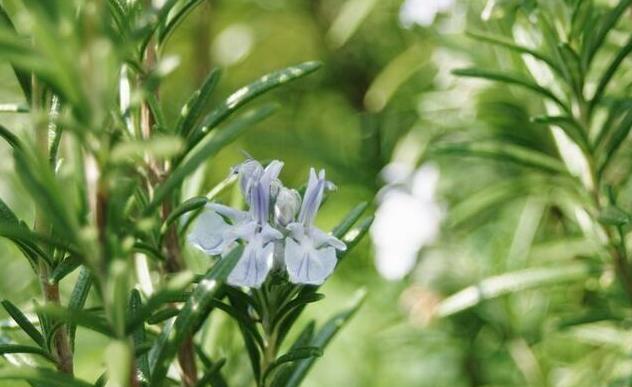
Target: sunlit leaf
(500, 285)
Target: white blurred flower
(233, 44)
(406, 220)
(422, 12)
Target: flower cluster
(277, 230)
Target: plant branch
(174, 261)
(61, 342)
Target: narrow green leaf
(156, 110)
(614, 216)
(569, 126)
(596, 40)
(38, 177)
(138, 335)
(14, 108)
(511, 79)
(23, 77)
(254, 354)
(9, 137)
(300, 301)
(155, 302)
(349, 220)
(354, 236)
(206, 151)
(45, 376)
(7, 215)
(172, 22)
(190, 317)
(322, 338)
(212, 376)
(162, 315)
(55, 130)
(80, 318)
(24, 323)
(241, 317)
(78, 299)
(187, 206)
(610, 72)
(193, 108)
(515, 47)
(67, 266)
(505, 152)
(249, 92)
(614, 140)
(509, 283)
(15, 348)
(293, 356)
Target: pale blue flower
(310, 253)
(214, 235)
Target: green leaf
(190, 317)
(45, 376)
(67, 266)
(78, 299)
(254, 355)
(24, 323)
(500, 285)
(206, 151)
(192, 110)
(212, 376)
(293, 356)
(187, 206)
(614, 138)
(354, 236)
(241, 316)
(515, 47)
(55, 130)
(569, 126)
(15, 348)
(155, 302)
(595, 40)
(39, 179)
(23, 77)
(247, 93)
(614, 216)
(7, 215)
(81, 318)
(172, 22)
(156, 110)
(27, 241)
(610, 72)
(162, 315)
(511, 79)
(9, 137)
(138, 335)
(505, 152)
(322, 338)
(349, 220)
(300, 301)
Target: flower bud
(287, 205)
(249, 172)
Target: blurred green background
(384, 94)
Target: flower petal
(253, 266)
(210, 233)
(321, 239)
(307, 265)
(313, 197)
(269, 234)
(235, 216)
